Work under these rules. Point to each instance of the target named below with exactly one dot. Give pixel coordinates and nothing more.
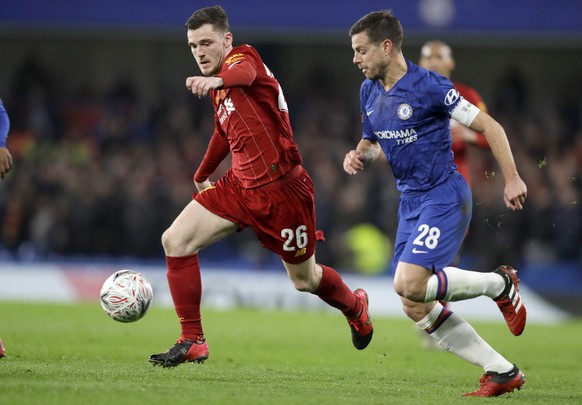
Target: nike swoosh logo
(368, 113)
(415, 250)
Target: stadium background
(106, 139)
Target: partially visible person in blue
(5, 165)
(5, 156)
(406, 112)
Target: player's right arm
(239, 74)
(356, 159)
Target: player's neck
(396, 71)
(227, 52)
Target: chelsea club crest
(404, 111)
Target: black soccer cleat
(183, 351)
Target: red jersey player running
(266, 188)
(438, 57)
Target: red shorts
(281, 213)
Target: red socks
(186, 290)
(185, 285)
(336, 293)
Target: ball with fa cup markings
(126, 296)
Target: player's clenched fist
(200, 85)
(515, 193)
(354, 162)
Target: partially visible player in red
(438, 57)
(266, 188)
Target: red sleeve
(217, 150)
(239, 74)
(471, 95)
(482, 141)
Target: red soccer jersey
(460, 147)
(253, 118)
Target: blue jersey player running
(5, 165)
(405, 113)
(5, 156)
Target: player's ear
(387, 46)
(228, 39)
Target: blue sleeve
(367, 131)
(4, 125)
(447, 96)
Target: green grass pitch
(74, 354)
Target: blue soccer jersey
(411, 122)
(402, 120)
(4, 125)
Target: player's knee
(174, 245)
(410, 291)
(167, 242)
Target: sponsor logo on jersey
(219, 95)
(237, 57)
(404, 111)
(229, 105)
(225, 109)
(451, 97)
(402, 136)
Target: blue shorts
(433, 224)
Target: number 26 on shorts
(294, 239)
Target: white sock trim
(431, 288)
(428, 321)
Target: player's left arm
(475, 98)
(218, 149)
(480, 139)
(515, 190)
(465, 134)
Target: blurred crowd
(100, 173)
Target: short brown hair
(216, 16)
(380, 25)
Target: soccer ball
(126, 296)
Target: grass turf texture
(75, 354)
